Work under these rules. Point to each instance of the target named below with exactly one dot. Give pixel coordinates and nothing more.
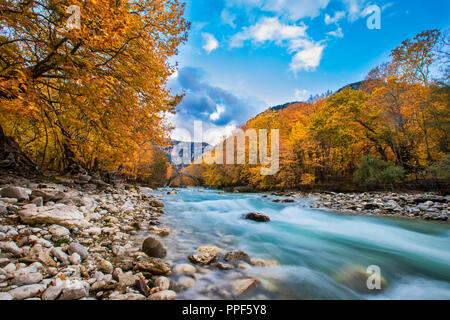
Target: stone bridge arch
(198, 181)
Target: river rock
(59, 231)
(25, 276)
(264, 263)
(3, 208)
(38, 253)
(236, 255)
(154, 248)
(127, 279)
(59, 254)
(164, 295)
(105, 266)
(11, 247)
(355, 278)
(156, 204)
(78, 248)
(210, 249)
(186, 282)
(203, 258)
(48, 194)
(224, 266)
(155, 266)
(75, 258)
(258, 217)
(162, 283)
(183, 267)
(5, 296)
(61, 214)
(28, 291)
(238, 287)
(39, 201)
(52, 293)
(16, 193)
(74, 290)
(162, 232)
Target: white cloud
(301, 94)
(292, 9)
(268, 29)
(210, 42)
(228, 18)
(337, 16)
(336, 33)
(307, 53)
(216, 115)
(308, 57)
(355, 8)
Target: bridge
(198, 181)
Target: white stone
(164, 295)
(74, 289)
(11, 247)
(61, 214)
(75, 258)
(58, 231)
(16, 193)
(184, 267)
(52, 293)
(27, 291)
(5, 296)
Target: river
(322, 255)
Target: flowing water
(322, 255)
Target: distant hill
(205, 148)
(355, 86)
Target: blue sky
(244, 56)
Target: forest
(392, 127)
(95, 96)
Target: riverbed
(321, 255)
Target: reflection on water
(321, 255)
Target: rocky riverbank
(80, 238)
(425, 206)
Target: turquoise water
(317, 250)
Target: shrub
(442, 169)
(376, 173)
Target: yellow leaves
(101, 89)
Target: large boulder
(153, 248)
(61, 214)
(16, 193)
(258, 217)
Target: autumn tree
(91, 94)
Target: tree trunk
(12, 156)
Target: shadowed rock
(153, 248)
(258, 217)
